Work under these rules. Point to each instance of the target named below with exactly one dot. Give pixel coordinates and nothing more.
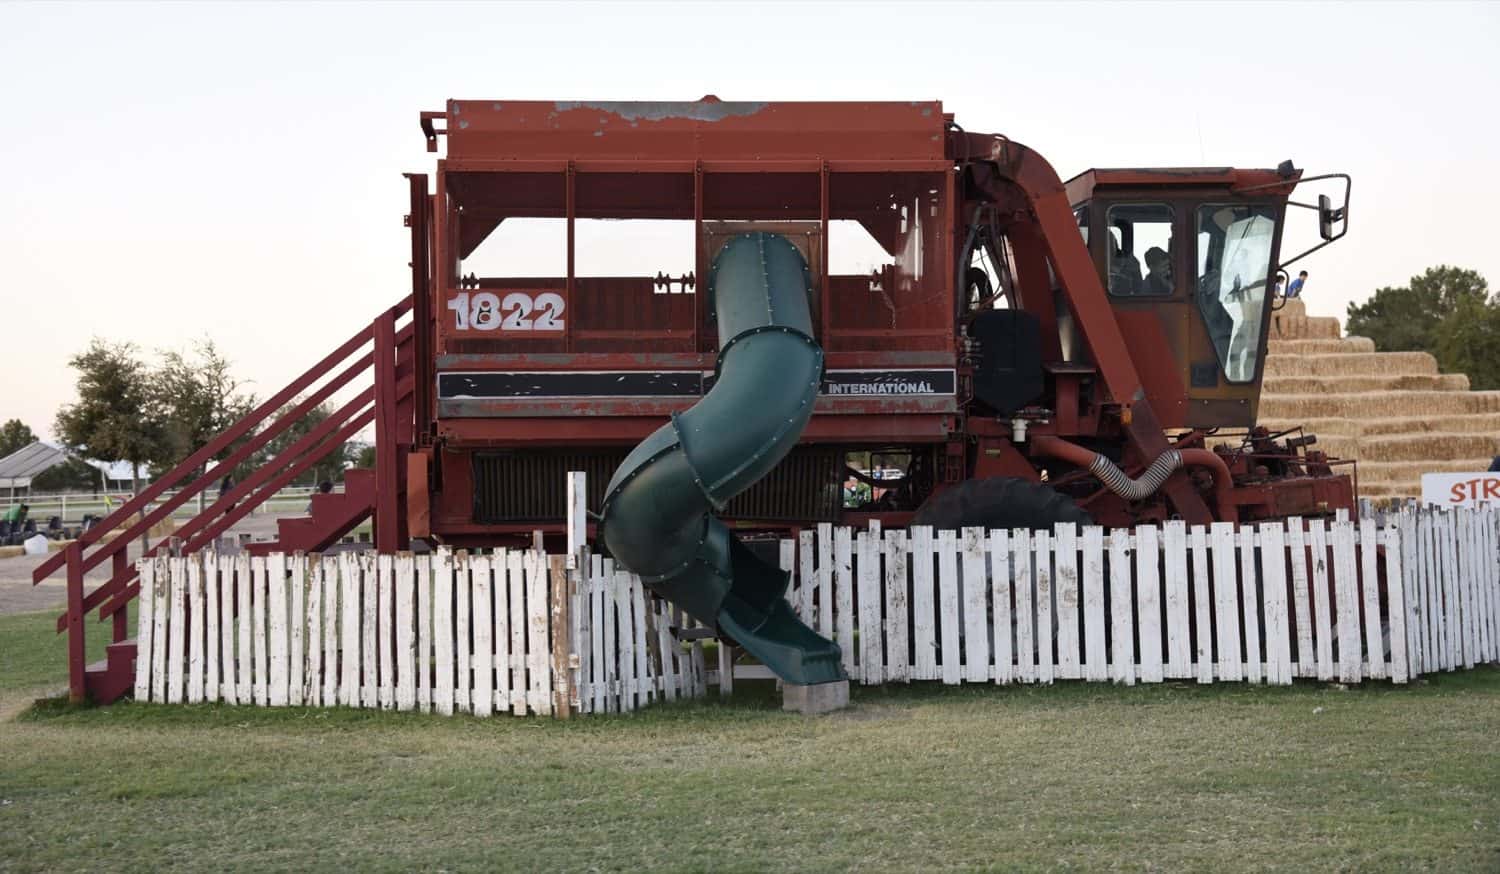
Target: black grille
(805, 485)
(529, 485)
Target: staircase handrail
(207, 452)
(130, 591)
(241, 493)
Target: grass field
(1172, 777)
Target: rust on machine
(707, 129)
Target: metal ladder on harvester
(387, 402)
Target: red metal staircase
(387, 403)
(330, 517)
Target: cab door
(1141, 255)
(1233, 244)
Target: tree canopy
(160, 414)
(15, 435)
(194, 397)
(1447, 311)
(329, 466)
(111, 420)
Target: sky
(186, 171)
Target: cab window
(1234, 266)
(1140, 250)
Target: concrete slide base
(812, 700)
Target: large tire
(999, 502)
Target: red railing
(387, 403)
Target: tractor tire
(1001, 502)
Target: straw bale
(1378, 404)
(1351, 364)
(1461, 423)
(1427, 447)
(1316, 347)
(1279, 385)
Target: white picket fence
(1266, 603)
(445, 632)
(518, 632)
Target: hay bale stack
(1292, 322)
(1293, 363)
(1390, 411)
(1341, 346)
(1359, 384)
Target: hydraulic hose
(1151, 479)
(658, 514)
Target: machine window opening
(852, 251)
(1234, 268)
(521, 246)
(1140, 250)
(661, 250)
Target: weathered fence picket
(1388, 598)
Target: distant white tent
(19, 468)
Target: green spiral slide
(658, 516)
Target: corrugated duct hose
(1141, 487)
(658, 515)
(1152, 478)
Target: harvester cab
(1188, 258)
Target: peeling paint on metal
(463, 123)
(657, 111)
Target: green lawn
(34, 657)
(1170, 777)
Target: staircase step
(1411, 471)
(1417, 447)
(1315, 328)
(1351, 364)
(359, 481)
(1342, 346)
(1454, 424)
(108, 679)
(1375, 405)
(1291, 385)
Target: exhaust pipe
(658, 515)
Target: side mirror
(1333, 222)
(1328, 217)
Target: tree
(1468, 341)
(194, 397)
(113, 417)
(329, 465)
(70, 476)
(1406, 318)
(15, 435)
(365, 458)
(1447, 311)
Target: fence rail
(521, 632)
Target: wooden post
(387, 538)
(120, 567)
(77, 690)
(578, 518)
(562, 633)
